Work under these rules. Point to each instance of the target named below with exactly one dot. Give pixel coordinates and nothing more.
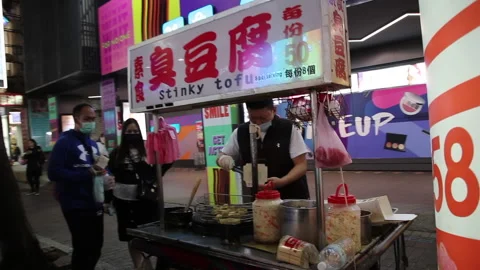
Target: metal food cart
(264, 49)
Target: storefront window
(39, 123)
(392, 77)
(140, 117)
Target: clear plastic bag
(330, 151)
(98, 189)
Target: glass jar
(343, 218)
(266, 217)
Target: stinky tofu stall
(264, 49)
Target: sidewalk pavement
(410, 192)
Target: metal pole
(161, 201)
(253, 149)
(318, 178)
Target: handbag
(147, 181)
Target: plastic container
(297, 252)
(266, 217)
(336, 255)
(343, 218)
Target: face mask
(87, 127)
(264, 127)
(133, 138)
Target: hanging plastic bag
(330, 151)
(98, 189)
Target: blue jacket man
(72, 168)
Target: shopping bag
(330, 151)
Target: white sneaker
(31, 193)
(37, 194)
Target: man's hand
(109, 182)
(276, 183)
(97, 171)
(226, 162)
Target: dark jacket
(274, 152)
(125, 173)
(35, 158)
(69, 166)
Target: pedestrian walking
(73, 168)
(35, 159)
(128, 165)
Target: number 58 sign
(458, 149)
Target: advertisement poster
(218, 125)
(186, 126)
(39, 123)
(454, 110)
(110, 123)
(147, 18)
(385, 123)
(3, 64)
(24, 126)
(119, 119)
(53, 118)
(109, 99)
(115, 22)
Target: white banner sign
(259, 48)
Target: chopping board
(267, 248)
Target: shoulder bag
(147, 180)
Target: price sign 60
(457, 167)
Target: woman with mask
(128, 165)
(34, 159)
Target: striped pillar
(451, 38)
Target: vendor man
(281, 147)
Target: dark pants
(86, 228)
(108, 196)
(166, 167)
(33, 178)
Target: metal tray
(208, 207)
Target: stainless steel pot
(365, 227)
(299, 219)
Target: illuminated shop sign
(11, 100)
(173, 25)
(243, 2)
(200, 14)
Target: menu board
(263, 48)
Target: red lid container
(268, 195)
(338, 198)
